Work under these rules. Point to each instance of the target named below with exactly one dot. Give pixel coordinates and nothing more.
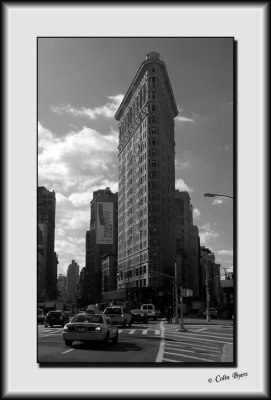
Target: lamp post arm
(217, 195)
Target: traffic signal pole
(182, 328)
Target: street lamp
(217, 195)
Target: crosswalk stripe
(205, 340)
(199, 347)
(132, 331)
(202, 335)
(170, 360)
(193, 344)
(186, 351)
(144, 332)
(183, 355)
(157, 331)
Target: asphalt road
(156, 341)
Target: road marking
(197, 358)
(187, 351)
(200, 347)
(145, 331)
(157, 331)
(160, 353)
(67, 351)
(201, 329)
(120, 330)
(169, 359)
(201, 339)
(132, 331)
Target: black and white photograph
(135, 200)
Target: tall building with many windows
(101, 238)
(47, 265)
(72, 282)
(146, 246)
(187, 244)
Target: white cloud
(77, 160)
(196, 213)
(207, 234)
(181, 164)
(181, 118)
(74, 166)
(216, 202)
(182, 186)
(225, 252)
(107, 110)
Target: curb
(227, 353)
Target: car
(139, 316)
(151, 311)
(56, 317)
(119, 315)
(90, 327)
(93, 309)
(40, 316)
(212, 313)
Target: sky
(81, 82)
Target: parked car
(40, 316)
(212, 313)
(151, 310)
(90, 327)
(57, 317)
(139, 316)
(119, 315)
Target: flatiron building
(146, 203)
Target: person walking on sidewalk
(169, 314)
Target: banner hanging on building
(104, 231)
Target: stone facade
(146, 247)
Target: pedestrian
(169, 314)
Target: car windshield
(137, 310)
(113, 311)
(88, 318)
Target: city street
(156, 341)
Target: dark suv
(56, 318)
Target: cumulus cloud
(225, 252)
(182, 118)
(181, 164)
(74, 166)
(207, 234)
(196, 213)
(216, 202)
(107, 110)
(76, 160)
(182, 186)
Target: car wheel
(146, 320)
(130, 324)
(68, 342)
(155, 318)
(124, 324)
(51, 325)
(115, 339)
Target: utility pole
(207, 296)
(176, 295)
(182, 328)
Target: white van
(151, 310)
